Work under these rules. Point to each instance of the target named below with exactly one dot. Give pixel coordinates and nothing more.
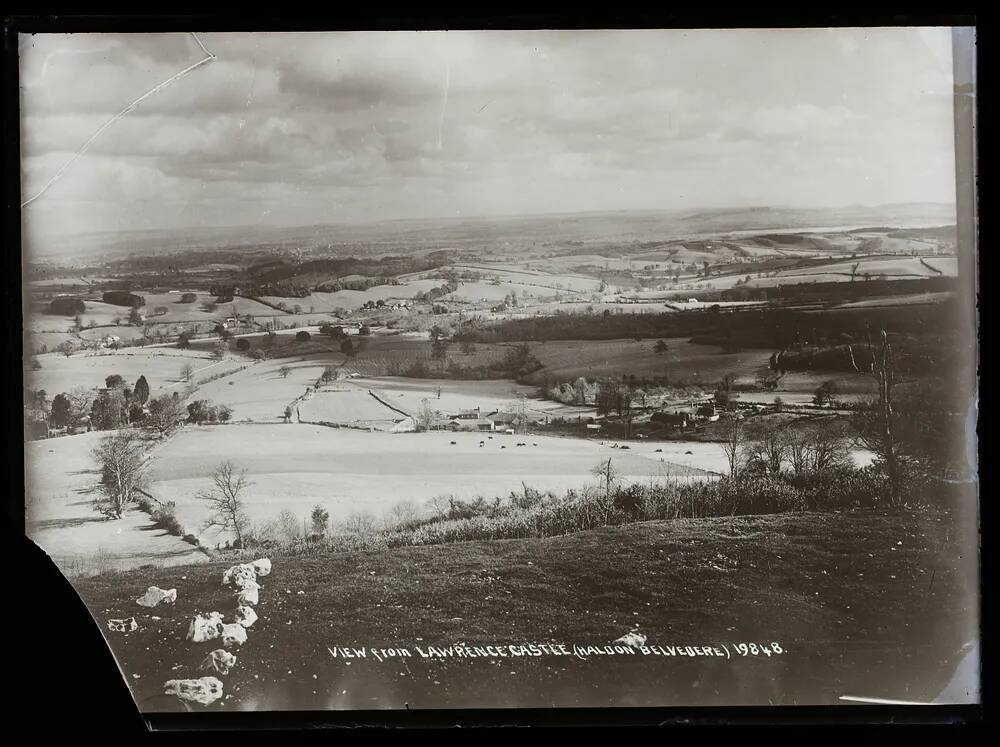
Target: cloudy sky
(294, 129)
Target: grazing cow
(534, 444)
(503, 447)
(453, 443)
(687, 452)
(659, 451)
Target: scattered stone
(205, 690)
(245, 616)
(233, 634)
(155, 595)
(205, 628)
(633, 639)
(220, 661)
(248, 596)
(262, 566)
(123, 625)
(240, 576)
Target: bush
(164, 517)
(303, 336)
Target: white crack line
(83, 149)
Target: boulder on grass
(262, 566)
(155, 595)
(124, 625)
(633, 639)
(245, 616)
(240, 576)
(205, 690)
(233, 634)
(248, 596)
(204, 628)
(220, 661)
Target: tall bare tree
(734, 436)
(605, 470)
(120, 456)
(226, 498)
(875, 420)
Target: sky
(315, 128)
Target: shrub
(164, 517)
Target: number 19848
(754, 649)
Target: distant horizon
(502, 216)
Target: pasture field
(455, 395)
(260, 393)
(160, 366)
(35, 341)
(42, 321)
(59, 480)
(347, 405)
(566, 360)
(890, 266)
(126, 332)
(321, 302)
(484, 292)
(517, 274)
(297, 466)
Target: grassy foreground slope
(861, 603)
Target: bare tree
(80, 399)
(361, 525)
(875, 420)
(426, 416)
(828, 446)
(284, 371)
(734, 436)
(187, 372)
(123, 475)
(609, 476)
(226, 498)
(767, 445)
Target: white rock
(247, 596)
(239, 576)
(633, 639)
(205, 690)
(245, 616)
(155, 595)
(233, 634)
(220, 661)
(205, 628)
(262, 566)
(124, 625)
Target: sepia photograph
(408, 370)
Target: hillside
(860, 604)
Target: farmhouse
(676, 419)
(707, 412)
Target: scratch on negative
(444, 103)
(132, 105)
